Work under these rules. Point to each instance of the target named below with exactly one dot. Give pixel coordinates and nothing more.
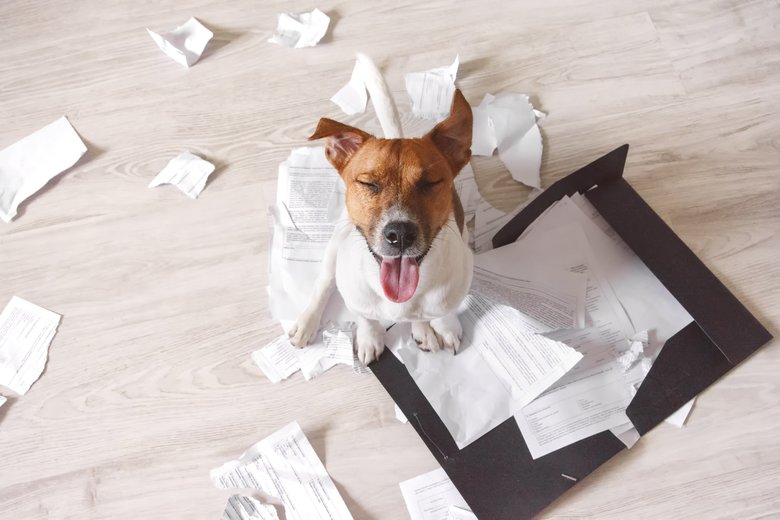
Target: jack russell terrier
(402, 254)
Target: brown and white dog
(403, 253)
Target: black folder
(496, 474)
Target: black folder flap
(496, 474)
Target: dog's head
(400, 191)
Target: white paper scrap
(336, 348)
(458, 513)
(352, 98)
(636, 351)
(300, 30)
(248, 508)
(187, 171)
(2, 401)
(278, 360)
(27, 165)
(399, 414)
(431, 495)
(508, 122)
(26, 331)
(679, 417)
(431, 91)
(285, 466)
(184, 44)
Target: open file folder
(496, 474)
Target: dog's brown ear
(342, 141)
(453, 135)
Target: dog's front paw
(304, 330)
(425, 336)
(449, 332)
(370, 338)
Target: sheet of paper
(278, 360)
(247, 508)
(487, 221)
(300, 30)
(352, 98)
(26, 331)
(184, 44)
(459, 513)
(508, 122)
(593, 396)
(399, 414)
(431, 91)
(679, 417)
(186, 171)
(286, 467)
(430, 496)
(27, 165)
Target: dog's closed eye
(426, 184)
(372, 186)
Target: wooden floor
(149, 382)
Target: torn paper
(431, 91)
(26, 331)
(184, 44)
(27, 165)
(278, 360)
(679, 417)
(285, 466)
(635, 352)
(459, 513)
(399, 414)
(247, 508)
(336, 348)
(430, 496)
(187, 171)
(300, 30)
(358, 366)
(352, 98)
(508, 122)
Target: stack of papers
(285, 468)
(26, 166)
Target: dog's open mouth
(399, 276)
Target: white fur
(445, 272)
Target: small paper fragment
(248, 508)
(278, 360)
(26, 331)
(335, 349)
(187, 171)
(185, 44)
(399, 414)
(352, 98)
(2, 401)
(27, 165)
(300, 30)
(679, 417)
(431, 91)
(459, 513)
(636, 351)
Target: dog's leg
(439, 334)
(308, 323)
(370, 338)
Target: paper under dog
(401, 253)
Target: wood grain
(149, 382)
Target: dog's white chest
(445, 278)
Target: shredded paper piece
(508, 122)
(352, 98)
(248, 508)
(431, 91)
(300, 30)
(188, 172)
(284, 466)
(186, 43)
(26, 331)
(27, 165)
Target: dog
(402, 254)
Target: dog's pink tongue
(399, 276)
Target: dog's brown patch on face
(413, 175)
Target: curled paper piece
(187, 171)
(352, 98)
(27, 165)
(508, 122)
(431, 90)
(186, 43)
(300, 30)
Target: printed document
(285, 466)
(431, 495)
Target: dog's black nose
(400, 234)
